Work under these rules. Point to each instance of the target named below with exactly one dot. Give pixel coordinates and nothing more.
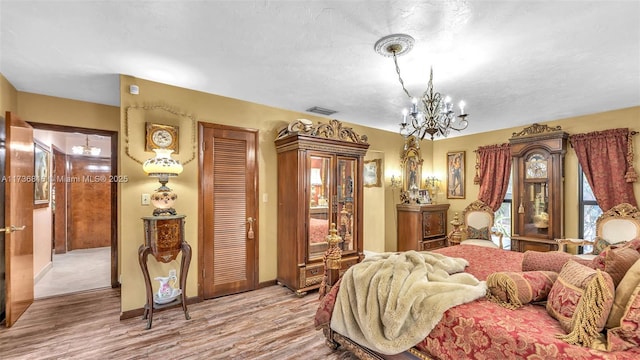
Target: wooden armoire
(320, 171)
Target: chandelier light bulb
(461, 104)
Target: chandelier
(431, 114)
(86, 149)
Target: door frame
(114, 185)
(201, 203)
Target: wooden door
(89, 205)
(59, 201)
(229, 209)
(18, 217)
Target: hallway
(75, 271)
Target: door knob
(12, 228)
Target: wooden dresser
(422, 227)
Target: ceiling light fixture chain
(395, 61)
(432, 115)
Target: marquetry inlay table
(164, 239)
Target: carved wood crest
(536, 129)
(621, 211)
(332, 130)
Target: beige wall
(623, 118)
(59, 111)
(211, 109)
(374, 200)
(8, 97)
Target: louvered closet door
(229, 187)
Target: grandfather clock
(538, 176)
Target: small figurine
(166, 292)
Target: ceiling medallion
(394, 45)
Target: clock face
(536, 167)
(162, 138)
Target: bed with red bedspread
(481, 329)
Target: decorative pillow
(482, 233)
(616, 261)
(627, 335)
(549, 261)
(514, 289)
(634, 244)
(599, 245)
(581, 300)
(625, 288)
(323, 313)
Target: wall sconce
(432, 183)
(163, 166)
(396, 182)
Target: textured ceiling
(513, 62)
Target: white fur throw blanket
(391, 301)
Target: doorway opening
(75, 240)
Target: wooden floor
(270, 323)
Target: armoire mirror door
(319, 216)
(346, 196)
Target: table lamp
(163, 166)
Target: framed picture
(41, 168)
(455, 175)
(162, 136)
(372, 173)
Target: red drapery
(606, 160)
(495, 169)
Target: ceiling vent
(321, 111)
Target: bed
(480, 329)
(318, 231)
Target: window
(589, 211)
(502, 222)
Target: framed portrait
(455, 175)
(41, 179)
(372, 176)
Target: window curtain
(606, 158)
(494, 173)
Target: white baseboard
(43, 272)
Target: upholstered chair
(616, 226)
(478, 226)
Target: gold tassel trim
(591, 308)
(504, 282)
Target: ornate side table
(164, 239)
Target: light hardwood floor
(270, 323)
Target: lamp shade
(315, 177)
(162, 164)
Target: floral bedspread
(485, 330)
